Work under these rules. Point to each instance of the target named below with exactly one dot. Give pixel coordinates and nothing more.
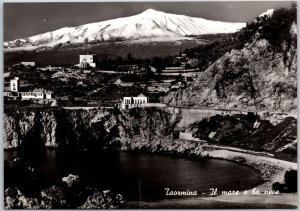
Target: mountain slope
(259, 75)
(150, 24)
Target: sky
(28, 19)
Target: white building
(35, 95)
(86, 60)
(32, 64)
(48, 95)
(31, 95)
(14, 84)
(131, 102)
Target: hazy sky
(27, 19)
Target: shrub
(278, 187)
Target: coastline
(271, 170)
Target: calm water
(122, 171)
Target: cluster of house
(168, 84)
(178, 70)
(131, 69)
(25, 64)
(156, 86)
(16, 92)
(160, 86)
(173, 69)
(89, 60)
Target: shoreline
(270, 169)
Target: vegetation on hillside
(275, 29)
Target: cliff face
(53, 127)
(260, 76)
(250, 132)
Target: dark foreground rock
(68, 195)
(14, 199)
(103, 200)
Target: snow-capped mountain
(150, 24)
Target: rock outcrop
(145, 129)
(15, 199)
(250, 132)
(103, 200)
(80, 128)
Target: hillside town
(21, 82)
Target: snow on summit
(148, 24)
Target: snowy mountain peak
(150, 24)
(150, 12)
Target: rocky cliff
(79, 128)
(250, 132)
(260, 74)
(144, 129)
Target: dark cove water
(122, 171)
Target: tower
(14, 84)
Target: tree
(119, 60)
(278, 187)
(187, 66)
(129, 57)
(290, 179)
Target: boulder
(14, 199)
(103, 200)
(53, 198)
(71, 180)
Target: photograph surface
(150, 105)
